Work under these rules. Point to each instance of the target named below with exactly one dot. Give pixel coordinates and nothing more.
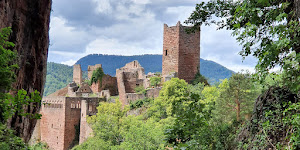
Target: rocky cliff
(29, 20)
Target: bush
(8, 141)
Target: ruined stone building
(129, 77)
(181, 52)
(64, 111)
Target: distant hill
(151, 63)
(59, 75)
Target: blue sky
(131, 27)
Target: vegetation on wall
(97, 76)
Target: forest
(244, 111)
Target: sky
(131, 27)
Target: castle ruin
(64, 112)
(181, 52)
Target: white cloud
(103, 6)
(113, 46)
(70, 62)
(64, 37)
(132, 27)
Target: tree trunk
(238, 110)
(29, 20)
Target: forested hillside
(59, 75)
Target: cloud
(67, 38)
(131, 27)
(70, 62)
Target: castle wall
(189, 54)
(131, 97)
(92, 68)
(87, 108)
(108, 83)
(77, 74)
(72, 119)
(60, 116)
(153, 93)
(170, 50)
(52, 123)
(129, 77)
(181, 52)
(121, 86)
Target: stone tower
(181, 52)
(77, 74)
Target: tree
(155, 81)
(7, 57)
(180, 103)
(237, 95)
(268, 30)
(199, 79)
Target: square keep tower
(181, 52)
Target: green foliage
(97, 76)
(7, 66)
(8, 141)
(155, 81)
(140, 90)
(237, 95)
(15, 104)
(267, 30)
(139, 134)
(199, 79)
(58, 76)
(140, 103)
(113, 130)
(39, 146)
(7, 60)
(11, 105)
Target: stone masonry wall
(181, 52)
(108, 83)
(121, 86)
(170, 49)
(153, 93)
(92, 68)
(72, 119)
(129, 77)
(85, 129)
(189, 54)
(77, 74)
(52, 123)
(131, 97)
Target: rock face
(29, 20)
(273, 100)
